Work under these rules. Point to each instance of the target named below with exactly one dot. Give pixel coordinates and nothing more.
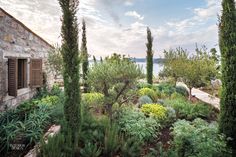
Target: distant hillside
(156, 60)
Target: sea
(156, 67)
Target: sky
(119, 26)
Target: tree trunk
(109, 111)
(190, 94)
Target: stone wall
(16, 40)
(2, 78)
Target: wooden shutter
(36, 75)
(12, 76)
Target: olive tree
(55, 61)
(113, 78)
(194, 70)
(197, 71)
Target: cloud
(128, 3)
(134, 14)
(104, 33)
(211, 10)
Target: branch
(126, 99)
(105, 89)
(122, 90)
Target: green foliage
(54, 61)
(90, 150)
(135, 124)
(131, 147)
(195, 70)
(154, 110)
(166, 88)
(56, 112)
(50, 100)
(143, 85)
(93, 99)
(181, 90)
(70, 55)
(84, 55)
(173, 66)
(111, 141)
(55, 90)
(149, 56)
(198, 139)
(227, 39)
(28, 128)
(148, 92)
(28, 121)
(176, 95)
(171, 115)
(113, 78)
(187, 110)
(58, 145)
(144, 100)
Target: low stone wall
(54, 129)
(12, 102)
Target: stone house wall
(16, 40)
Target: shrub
(176, 95)
(28, 129)
(198, 138)
(144, 100)
(166, 88)
(58, 145)
(143, 85)
(111, 141)
(114, 77)
(130, 147)
(55, 90)
(171, 115)
(49, 100)
(135, 124)
(182, 90)
(93, 99)
(90, 150)
(154, 110)
(187, 110)
(149, 92)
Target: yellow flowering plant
(155, 110)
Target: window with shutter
(12, 76)
(22, 74)
(36, 75)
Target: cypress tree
(94, 60)
(70, 54)
(84, 52)
(227, 42)
(149, 58)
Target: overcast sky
(120, 25)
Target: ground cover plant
(22, 128)
(119, 115)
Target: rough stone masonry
(17, 40)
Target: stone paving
(207, 98)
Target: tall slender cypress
(70, 54)
(227, 42)
(84, 52)
(94, 60)
(149, 58)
